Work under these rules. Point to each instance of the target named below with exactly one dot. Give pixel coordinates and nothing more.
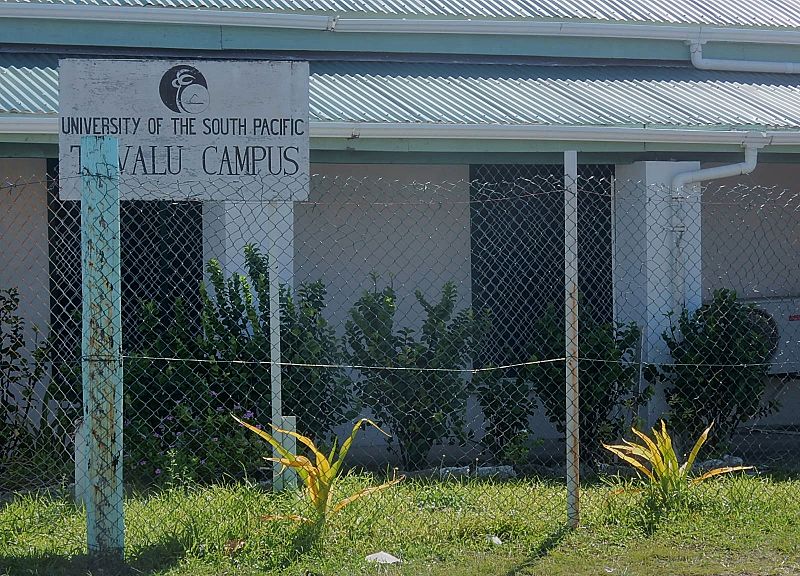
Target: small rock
(732, 460)
(382, 558)
(725, 461)
(453, 471)
(500, 472)
(494, 540)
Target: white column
(227, 228)
(657, 246)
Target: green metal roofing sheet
(766, 13)
(641, 96)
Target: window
(517, 256)
(162, 260)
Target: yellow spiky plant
(657, 461)
(320, 477)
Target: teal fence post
(102, 345)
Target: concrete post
(102, 346)
(657, 246)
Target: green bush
(506, 402)
(194, 368)
(609, 392)
(23, 366)
(420, 400)
(176, 415)
(320, 395)
(178, 412)
(719, 368)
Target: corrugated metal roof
(497, 94)
(767, 13)
(28, 84)
(554, 95)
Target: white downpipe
(680, 295)
(703, 63)
(749, 164)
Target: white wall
(407, 224)
(751, 226)
(24, 262)
(751, 243)
(23, 237)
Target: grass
(736, 526)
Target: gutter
(338, 23)
(198, 17)
(703, 63)
(34, 124)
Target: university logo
(183, 89)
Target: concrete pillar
(657, 255)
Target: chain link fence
(434, 307)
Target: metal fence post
(101, 345)
(286, 479)
(571, 335)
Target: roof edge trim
(337, 23)
(198, 16)
(35, 124)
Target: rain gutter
(36, 124)
(703, 63)
(339, 23)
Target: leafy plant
(719, 367)
(319, 394)
(668, 481)
(320, 477)
(220, 364)
(236, 327)
(507, 403)
(609, 392)
(21, 369)
(175, 408)
(414, 385)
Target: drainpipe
(679, 183)
(702, 63)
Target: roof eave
(347, 24)
(48, 124)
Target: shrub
(506, 402)
(176, 415)
(719, 371)
(609, 392)
(22, 367)
(194, 367)
(320, 395)
(236, 327)
(423, 398)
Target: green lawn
(737, 526)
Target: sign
(201, 129)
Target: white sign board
(201, 129)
